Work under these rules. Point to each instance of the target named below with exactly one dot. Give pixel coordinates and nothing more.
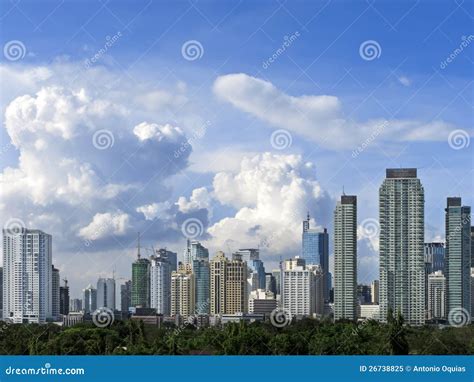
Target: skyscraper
(194, 251)
(374, 292)
(64, 299)
(75, 305)
(106, 293)
(172, 258)
(345, 258)
(255, 266)
(436, 296)
(89, 299)
(27, 272)
(315, 250)
(434, 255)
(402, 272)
(55, 311)
(126, 296)
(202, 285)
(160, 283)
(228, 292)
(182, 291)
(458, 255)
(1, 293)
(140, 280)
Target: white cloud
(147, 130)
(155, 210)
(106, 224)
(200, 198)
(405, 81)
(318, 117)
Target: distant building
(89, 299)
(75, 305)
(172, 258)
(374, 292)
(55, 293)
(436, 296)
(195, 251)
(315, 251)
(126, 296)
(262, 302)
(364, 294)
(140, 280)
(27, 275)
(255, 267)
(368, 311)
(201, 272)
(277, 276)
(160, 284)
(64, 298)
(270, 283)
(73, 318)
(458, 255)
(1, 293)
(106, 293)
(182, 291)
(434, 255)
(402, 230)
(345, 258)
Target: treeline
(302, 337)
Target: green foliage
(301, 337)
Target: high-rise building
(75, 305)
(195, 251)
(106, 293)
(364, 294)
(172, 258)
(277, 275)
(160, 284)
(228, 285)
(345, 258)
(1, 293)
(89, 299)
(270, 283)
(436, 296)
(262, 302)
(472, 246)
(126, 296)
(374, 292)
(472, 294)
(256, 268)
(27, 273)
(301, 288)
(434, 255)
(402, 271)
(315, 251)
(140, 280)
(182, 291)
(64, 299)
(458, 255)
(55, 311)
(202, 285)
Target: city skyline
(118, 119)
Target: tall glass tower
(458, 256)
(315, 251)
(140, 280)
(402, 268)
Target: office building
(27, 276)
(374, 292)
(126, 296)
(75, 305)
(160, 284)
(345, 258)
(89, 299)
(182, 291)
(458, 255)
(106, 293)
(195, 251)
(315, 251)
(140, 280)
(270, 283)
(202, 285)
(171, 256)
(364, 294)
(402, 268)
(64, 299)
(434, 255)
(436, 296)
(262, 302)
(55, 293)
(277, 276)
(1, 293)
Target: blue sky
(144, 77)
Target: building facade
(182, 291)
(55, 293)
(64, 299)
(436, 296)
(160, 284)
(106, 293)
(345, 258)
(126, 296)
(402, 268)
(89, 299)
(27, 273)
(374, 292)
(458, 255)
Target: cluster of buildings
(422, 281)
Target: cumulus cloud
(155, 210)
(318, 117)
(105, 224)
(199, 198)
